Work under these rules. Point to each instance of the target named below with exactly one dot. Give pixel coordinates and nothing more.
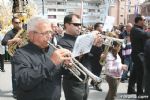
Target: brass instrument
(111, 39)
(21, 34)
(102, 61)
(77, 69)
(23, 11)
(108, 43)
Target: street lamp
(43, 7)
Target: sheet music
(83, 44)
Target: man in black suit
(138, 38)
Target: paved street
(5, 88)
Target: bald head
(128, 27)
(54, 27)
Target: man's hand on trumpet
(61, 56)
(14, 40)
(98, 41)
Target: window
(60, 3)
(50, 3)
(91, 10)
(61, 10)
(70, 12)
(121, 15)
(122, 8)
(92, 4)
(51, 10)
(51, 16)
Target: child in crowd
(114, 70)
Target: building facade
(125, 11)
(92, 10)
(145, 10)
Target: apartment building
(93, 10)
(56, 10)
(124, 10)
(145, 8)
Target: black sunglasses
(76, 24)
(17, 22)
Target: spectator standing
(138, 38)
(2, 53)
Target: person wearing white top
(114, 70)
(2, 52)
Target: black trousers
(14, 84)
(96, 67)
(132, 79)
(75, 90)
(1, 61)
(139, 68)
(147, 83)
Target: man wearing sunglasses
(9, 40)
(73, 88)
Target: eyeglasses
(76, 24)
(44, 33)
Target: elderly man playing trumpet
(37, 65)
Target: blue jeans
(128, 62)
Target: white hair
(31, 25)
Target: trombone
(78, 70)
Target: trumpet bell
(80, 71)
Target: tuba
(78, 70)
(21, 34)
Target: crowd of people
(41, 66)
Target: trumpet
(78, 70)
(108, 40)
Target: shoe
(122, 81)
(131, 92)
(14, 96)
(92, 83)
(98, 87)
(2, 70)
